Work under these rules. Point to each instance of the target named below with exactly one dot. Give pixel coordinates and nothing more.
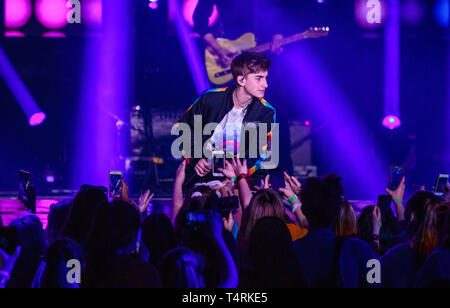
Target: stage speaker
(301, 149)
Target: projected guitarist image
(234, 109)
(236, 21)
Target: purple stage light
(23, 97)
(50, 179)
(17, 13)
(52, 14)
(370, 14)
(355, 154)
(54, 34)
(190, 49)
(391, 122)
(37, 119)
(14, 33)
(105, 94)
(153, 5)
(392, 67)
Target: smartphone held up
(115, 184)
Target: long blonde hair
(266, 202)
(426, 239)
(347, 224)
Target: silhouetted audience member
(401, 264)
(56, 266)
(198, 236)
(327, 260)
(159, 236)
(436, 270)
(57, 217)
(113, 260)
(182, 268)
(273, 261)
(81, 217)
(264, 203)
(31, 237)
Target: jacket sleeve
(198, 108)
(269, 118)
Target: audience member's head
(416, 209)
(84, 208)
(365, 223)
(159, 236)
(322, 199)
(347, 224)
(31, 237)
(426, 239)
(199, 199)
(272, 256)
(57, 258)
(115, 232)
(443, 225)
(264, 203)
(57, 217)
(390, 232)
(182, 268)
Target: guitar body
(221, 75)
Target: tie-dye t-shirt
(227, 135)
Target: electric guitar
(220, 75)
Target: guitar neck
(285, 41)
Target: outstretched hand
(144, 201)
(293, 183)
(265, 184)
(239, 168)
(229, 171)
(399, 193)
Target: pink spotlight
(17, 13)
(91, 12)
(391, 122)
(54, 34)
(52, 14)
(14, 33)
(153, 5)
(188, 8)
(37, 119)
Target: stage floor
(11, 208)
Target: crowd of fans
(302, 236)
